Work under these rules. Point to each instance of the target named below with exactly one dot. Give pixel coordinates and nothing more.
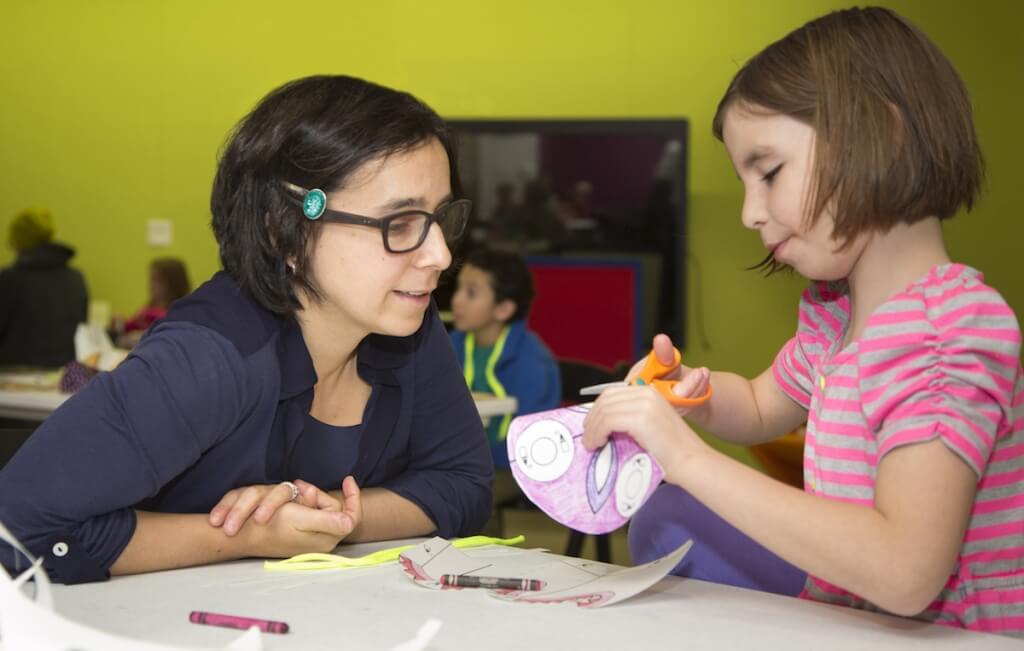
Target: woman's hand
(692, 382)
(260, 502)
(315, 523)
(647, 417)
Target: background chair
(783, 458)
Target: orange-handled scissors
(651, 374)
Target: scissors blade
(597, 389)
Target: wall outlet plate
(159, 232)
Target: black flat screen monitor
(592, 189)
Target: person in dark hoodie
(42, 299)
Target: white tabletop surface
(29, 404)
(495, 406)
(377, 608)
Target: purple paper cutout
(562, 480)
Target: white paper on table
(566, 580)
(34, 624)
(94, 348)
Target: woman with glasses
(306, 394)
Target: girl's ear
(504, 310)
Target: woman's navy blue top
(217, 396)
(324, 454)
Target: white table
(489, 407)
(29, 404)
(376, 608)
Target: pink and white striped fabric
(940, 360)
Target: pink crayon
(234, 621)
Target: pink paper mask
(593, 492)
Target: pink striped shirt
(940, 360)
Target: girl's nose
(753, 214)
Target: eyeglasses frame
(314, 207)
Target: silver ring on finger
(294, 489)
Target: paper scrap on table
(94, 348)
(27, 623)
(566, 580)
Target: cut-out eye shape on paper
(573, 485)
(631, 491)
(545, 451)
(601, 475)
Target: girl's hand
(260, 502)
(296, 528)
(692, 382)
(647, 417)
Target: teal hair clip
(314, 204)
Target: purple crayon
(234, 621)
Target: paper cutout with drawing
(566, 580)
(27, 623)
(593, 492)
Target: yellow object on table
(317, 561)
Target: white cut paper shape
(34, 624)
(566, 580)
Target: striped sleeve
(820, 319)
(941, 363)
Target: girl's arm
(898, 554)
(747, 412)
(741, 411)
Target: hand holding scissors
(652, 373)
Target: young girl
(854, 139)
(168, 281)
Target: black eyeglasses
(402, 232)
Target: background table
(489, 407)
(376, 608)
(29, 404)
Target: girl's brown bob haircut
(894, 131)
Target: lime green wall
(112, 113)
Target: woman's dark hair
(510, 278)
(312, 133)
(894, 130)
(172, 273)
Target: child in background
(168, 281)
(853, 137)
(498, 354)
